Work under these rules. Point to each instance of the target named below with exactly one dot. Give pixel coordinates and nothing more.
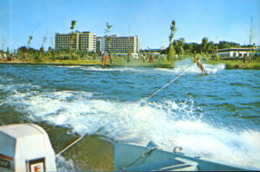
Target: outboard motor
(25, 148)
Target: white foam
(69, 66)
(167, 123)
(65, 165)
(191, 68)
(104, 69)
(185, 64)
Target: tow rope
(80, 138)
(76, 141)
(170, 81)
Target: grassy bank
(123, 62)
(117, 62)
(237, 64)
(56, 62)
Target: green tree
(180, 43)
(44, 40)
(8, 51)
(173, 30)
(107, 31)
(204, 44)
(225, 44)
(29, 41)
(72, 35)
(188, 48)
(171, 51)
(73, 24)
(252, 32)
(211, 48)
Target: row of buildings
(88, 41)
(234, 52)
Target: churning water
(215, 116)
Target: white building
(120, 44)
(76, 40)
(236, 52)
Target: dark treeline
(206, 47)
(31, 54)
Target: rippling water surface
(215, 116)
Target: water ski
(106, 65)
(205, 73)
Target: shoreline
(227, 64)
(84, 64)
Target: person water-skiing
(199, 64)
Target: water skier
(199, 64)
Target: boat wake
(168, 123)
(180, 66)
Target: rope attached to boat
(73, 143)
(171, 81)
(144, 155)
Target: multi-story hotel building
(89, 41)
(76, 40)
(120, 44)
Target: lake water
(215, 116)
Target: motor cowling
(25, 148)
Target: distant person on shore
(12, 57)
(245, 59)
(25, 57)
(5, 57)
(111, 58)
(104, 59)
(199, 64)
(151, 58)
(144, 59)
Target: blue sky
(218, 20)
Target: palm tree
(44, 40)
(73, 23)
(29, 41)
